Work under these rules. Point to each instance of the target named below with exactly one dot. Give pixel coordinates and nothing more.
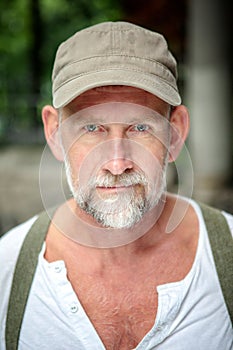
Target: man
(109, 275)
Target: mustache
(110, 180)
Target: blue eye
(141, 127)
(92, 127)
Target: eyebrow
(92, 118)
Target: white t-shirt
(192, 314)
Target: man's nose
(118, 156)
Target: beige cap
(114, 53)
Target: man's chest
(122, 305)
(53, 321)
(122, 314)
(120, 296)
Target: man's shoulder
(228, 216)
(11, 241)
(10, 245)
(197, 206)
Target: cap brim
(153, 84)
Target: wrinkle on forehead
(117, 112)
(116, 94)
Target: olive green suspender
(220, 240)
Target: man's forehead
(115, 113)
(116, 93)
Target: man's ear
(179, 123)
(50, 119)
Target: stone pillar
(209, 96)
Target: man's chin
(117, 224)
(122, 217)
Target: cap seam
(129, 56)
(124, 30)
(121, 55)
(102, 70)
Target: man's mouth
(114, 188)
(136, 189)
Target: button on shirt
(191, 314)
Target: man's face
(115, 142)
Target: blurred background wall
(199, 34)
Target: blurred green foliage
(30, 31)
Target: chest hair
(122, 312)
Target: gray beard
(121, 209)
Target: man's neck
(70, 236)
(82, 228)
